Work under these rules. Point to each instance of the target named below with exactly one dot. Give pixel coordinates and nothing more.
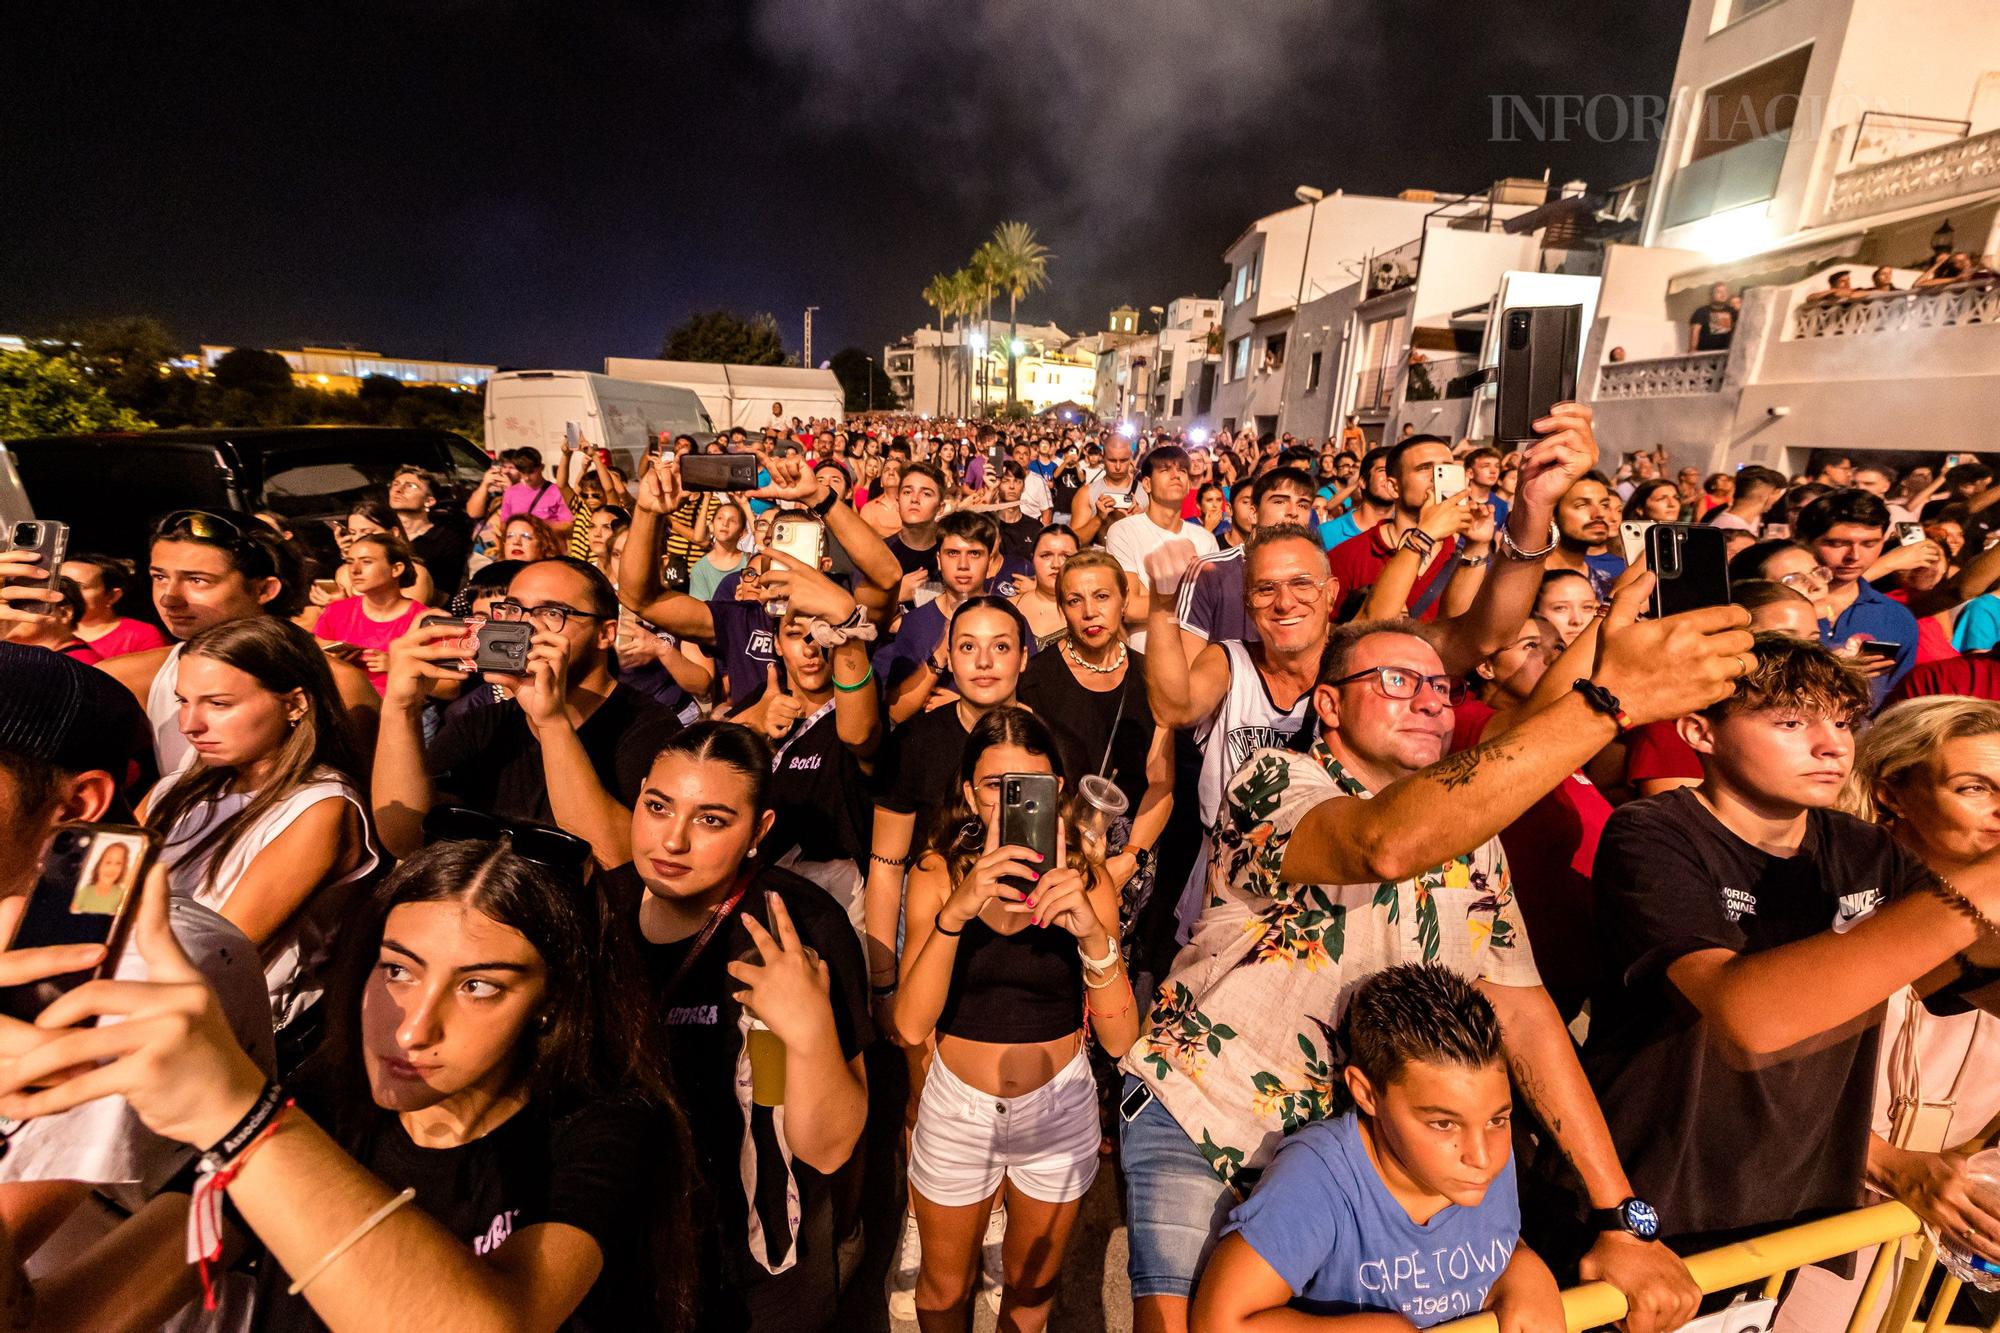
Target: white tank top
(295, 957)
(163, 710)
(1247, 720)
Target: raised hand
(660, 485)
(430, 651)
(543, 692)
(782, 709)
(1662, 669)
(986, 881)
(786, 989)
(789, 579)
(1566, 450)
(21, 602)
(1167, 563)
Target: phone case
(719, 472)
(798, 539)
(1690, 564)
(1538, 351)
(503, 647)
(1029, 804)
(48, 536)
(59, 911)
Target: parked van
(752, 397)
(530, 409)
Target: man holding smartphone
(1845, 530)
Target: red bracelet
(204, 1231)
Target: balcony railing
(1663, 377)
(1393, 270)
(1930, 176)
(1732, 178)
(1974, 302)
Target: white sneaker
(992, 1271)
(902, 1283)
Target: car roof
(234, 435)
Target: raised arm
(577, 798)
(1180, 692)
(639, 584)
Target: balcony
(1393, 270)
(1930, 176)
(1973, 302)
(1732, 178)
(1689, 376)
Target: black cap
(56, 709)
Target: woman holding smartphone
(267, 825)
(484, 1140)
(1008, 953)
(380, 569)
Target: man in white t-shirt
(1035, 497)
(1137, 535)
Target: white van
(752, 397)
(531, 409)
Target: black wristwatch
(824, 506)
(1635, 1217)
(1142, 861)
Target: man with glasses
(207, 569)
(570, 745)
(1210, 605)
(1371, 850)
(441, 541)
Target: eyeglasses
(1806, 578)
(1394, 682)
(548, 618)
(543, 845)
(1303, 589)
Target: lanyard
(800, 728)
(715, 923)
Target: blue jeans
(1175, 1205)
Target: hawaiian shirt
(1240, 1042)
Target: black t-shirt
(913, 560)
(488, 759)
(576, 1169)
(820, 794)
(1017, 541)
(1081, 720)
(443, 548)
(917, 771)
(1715, 324)
(1716, 1146)
(703, 1045)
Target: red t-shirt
(1551, 849)
(1357, 563)
(127, 636)
(345, 621)
(1977, 674)
(1656, 750)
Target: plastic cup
(1101, 805)
(767, 1066)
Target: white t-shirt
(1035, 497)
(1133, 537)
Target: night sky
(548, 184)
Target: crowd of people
(1422, 923)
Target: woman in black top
(1091, 690)
(476, 1061)
(1003, 982)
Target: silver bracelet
(368, 1224)
(1504, 540)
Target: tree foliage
(49, 395)
(723, 337)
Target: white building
(948, 372)
(1806, 137)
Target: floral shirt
(1240, 1044)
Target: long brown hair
(281, 658)
(959, 836)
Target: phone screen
(83, 895)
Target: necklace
(1069, 651)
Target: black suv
(110, 488)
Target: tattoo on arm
(1455, 770)
(1537, 1098)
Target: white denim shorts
(1044, 1141)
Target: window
(1737, 143)
(1239, 358)
(1242, 283)
(1256, 271)
(1274, 353)
(1312, 372)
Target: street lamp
(978, 340)
(871, 381)
(1306, 194)
(1153, 371)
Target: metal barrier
(1775, 1257)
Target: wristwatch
(1635, 1217)
(1142, 861)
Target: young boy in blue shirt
(1402, 1213)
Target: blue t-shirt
(1323, 1219)
(1978, 625)
(1873, 615)
(1337, 530)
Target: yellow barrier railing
(1774, 1257)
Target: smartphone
(468, 644)
(48, 537)
(1632, 535)
(1538, 351)
(719, 472)
(503, 647)
(800, 538)
(570, 439)
(1952, 461)
(1447, 480)
(88, 884)
(1909, 534)
(327, 587)
(1878, 648)
(1029, 804)
(1690, 564)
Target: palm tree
(964, 294)
(1021, 265)
(984, 269)
(937, 295)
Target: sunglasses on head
(539, 843)
(202, 525)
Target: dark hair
(1791, 673)
(591, 1044)
(1401, 450)
(1753, 593)
(1165, 455)
(257, 552)
(1418, 1011)
(1054, 530)
(72, 598)
(1297, 455)
(524, 459)
(419, 471)
(1635, 504)
(281, 658)
(959, 837)
(1344, 639)
(925, 468)
(968, 526)
(1483, 451)
(395, 550)
(992, 602)
(731, 744)
(1850, 504)
(1756, 475)
(601, 596)
(1296, 478)
(113, 571)
(484, 582)
(1967, 474)
(1379, 454)
(377, 512)
(1554, 576)
(1748, 563)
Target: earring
(542, 1023)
